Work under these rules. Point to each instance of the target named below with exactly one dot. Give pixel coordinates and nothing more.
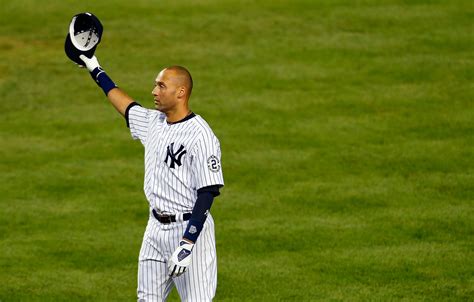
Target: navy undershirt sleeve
(200, 211)
(214, 190)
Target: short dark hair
(185, 74)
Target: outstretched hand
(91, 63)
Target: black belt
(169, 218)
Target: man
(182, 176)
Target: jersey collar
(188, 117)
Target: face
(166, 92)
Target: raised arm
(119, 99)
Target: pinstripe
(174, 190)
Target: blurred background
(346, 130)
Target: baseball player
(183, 175)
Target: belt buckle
(162, 218)
(166, 219)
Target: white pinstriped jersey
(180, 158)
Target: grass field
(346, 130)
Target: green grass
(346, 130)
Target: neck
(175, 116)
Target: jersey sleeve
(207, 169)
(138, 120)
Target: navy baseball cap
(85, 32)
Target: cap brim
(73, 53)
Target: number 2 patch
(213, 163)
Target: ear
(181, 92)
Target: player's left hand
(180, 259)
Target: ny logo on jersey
(175, 157)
